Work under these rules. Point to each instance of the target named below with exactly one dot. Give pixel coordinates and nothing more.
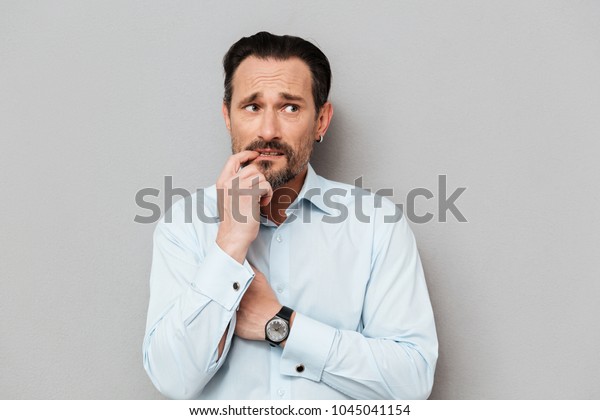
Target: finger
(265, 199)
(250, 172)
(264, 191)
(262, 188)
(235, 162)
(251, 180)
(256, 186)
(254, 178)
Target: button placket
(279, 261)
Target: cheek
(237, 145)
(239, 139)
(308, 147)
(304, 143)
(304, 148)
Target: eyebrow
(290, 97)
(284, 95)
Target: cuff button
(300, 368)
(236, 286)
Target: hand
(240, 192)
(258, 306)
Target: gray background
(99, 99)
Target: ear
(324, 118)
(226, 116)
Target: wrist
(236, 249)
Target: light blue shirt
(364, 326)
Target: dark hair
(266, 45)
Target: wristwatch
(277, 328)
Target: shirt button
(236, 286)
(280, 290)
(281, 392)
(300, 368)
(278, 238)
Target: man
(293, 294)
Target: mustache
(275, 145)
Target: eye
(251, 108)
(291, 108)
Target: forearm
(192, 303)
(389, 370)
(182, 355)
(360, 366)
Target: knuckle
(251, 170)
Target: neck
(283, 196)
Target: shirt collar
(312, 191)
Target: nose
(269, 126)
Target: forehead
(257, 75)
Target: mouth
(269, 153)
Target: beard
(296, 161)
(276, 178)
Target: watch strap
(285, 313)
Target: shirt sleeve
(395, 353)
(194, 294)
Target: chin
(278, 178)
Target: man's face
(272, 112)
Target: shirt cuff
(307, 348)
(222, 279)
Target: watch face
(277, 330)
